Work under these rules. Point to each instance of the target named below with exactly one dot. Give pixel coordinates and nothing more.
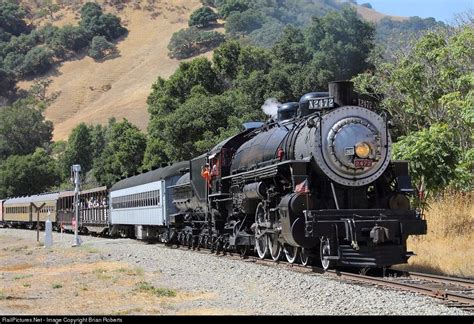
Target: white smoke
(270, 107)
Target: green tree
(13, 63)
(11, 18)
(201, 103)
(229, 6)
(198, 124)
(122, 155)
(166, 94)
(393, 35)
(340, 43)
(202, 17)
(291, 47)
(192, 41)
(7, 84)
(21, 44)
(226, 59)
(110, 26)
(96, 23)
(101, 48)
(98, 139)
(254, 59)
(154, 153)
(67, 38)
(23, 128)
(433, 158)
(210, 3)
(28, 174)
(239, 23)
(431, 85)
(89, 11)
(37, 61)
(78, 151)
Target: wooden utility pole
(37, 219)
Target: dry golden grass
(448, 247)
(74, 281)
(93, 92)
(375, 16)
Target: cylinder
(255, 190)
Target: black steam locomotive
(317, 185)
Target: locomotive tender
(316, 185)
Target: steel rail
(433, 292)
(443, 279)
(466, 301)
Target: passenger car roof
(151, 176)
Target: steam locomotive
(316, 185)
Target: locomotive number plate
(321, 103)
(362, 163)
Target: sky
(443, 10)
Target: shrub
(202, 17)
(189, 42)
(37, 61)
(95, 23)
(11, 18)
(68, 38)
(243, 23)
(101, 48)
(233, 6)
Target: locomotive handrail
(263, 169)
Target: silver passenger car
(140, 206)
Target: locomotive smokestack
(343, 92)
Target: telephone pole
(76, 170)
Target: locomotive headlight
(362, 150)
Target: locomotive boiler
(316, 185)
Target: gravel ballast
(243, 287)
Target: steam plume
(270, 107)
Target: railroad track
(454, 292)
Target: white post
(48, 232)
(76, 169)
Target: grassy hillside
(92, 92)
(373, 15)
